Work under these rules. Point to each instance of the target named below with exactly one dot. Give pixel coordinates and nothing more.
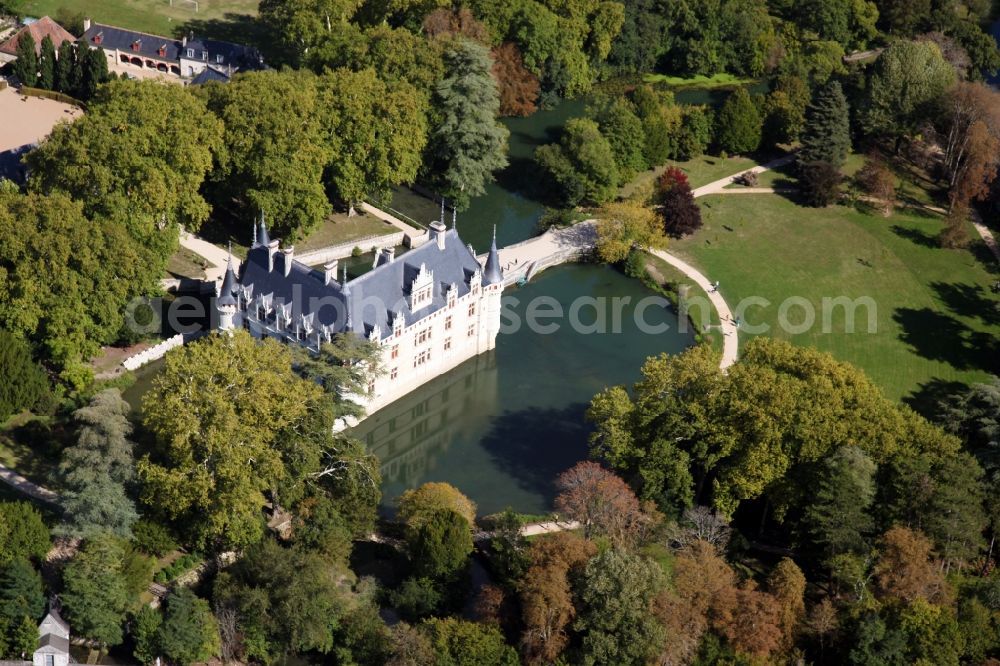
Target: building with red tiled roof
(39, 30)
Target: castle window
(472, 330)
(472, 309)
(395, 352)
(447, 344)
(218, 59)
(371, 386)
(447, 323)
(393, 373)
(421, 297)
(422, 337)
(422, 357)
(50, 660)
(190, 53)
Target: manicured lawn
(722, 79)
(700, 171)
(186, 263)
(339, 228)
(214, 18)
(936, 321)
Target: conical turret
(492, 273)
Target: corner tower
(492, 292)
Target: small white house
(53, 641)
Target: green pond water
(501, 426)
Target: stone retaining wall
(343, 250)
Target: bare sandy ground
(26, 120)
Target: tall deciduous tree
(906, 83)
(275, 149)
(440, 545)
(602, 502)
(623, 226)
(223, 412)
(827, 133)
(620, 125)
(376, 132)
(467, 144)
(91, 270)
(904, 569)
(546, 594)
(298, 27)
(739, 125)
(517, 85)
(417, 505)
(456, 641)
(148, 178)
(616, 597)
(95, 594)
(581, 166)
(96, 471)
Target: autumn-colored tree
(706, 583)
(623, 226)
(822, 623)
(877, 180)
(904, 569)
(681, 215)
(978, 167)
(418, 504)
(603, 502)
(517, 85)
(445, 22)
(756, 626)
(546, 594)
(787, 584)
(968, 106)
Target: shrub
(819, 183)
(25, 385)
(876, 179)
(747, 179)
(153, 538)
(416, 598)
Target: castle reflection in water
(411, 434)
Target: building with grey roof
(187, 57)
(53, 641)
(428, 310)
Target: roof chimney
(289, 253)
(86, 24)
(184, 41)
(437, 232)
(330, 272)
(272, 249)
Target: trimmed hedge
(52, 94)
(174, 570)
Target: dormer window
(98, 38)
(421, 289)
(204, 56)
(162, 51)
(218, 59)
(190, 53)
(136, 45)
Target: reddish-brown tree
(706, 584)
(443, 22)
(681, 215)
(971, 131)
(603, 503)
(787, 584)
(756, 625)
(878, 181)
(547, 596)
(904, 569)
(518, 87)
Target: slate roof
(491, 271)
(53, 643)
(209, 74)
(237, 56)
(373, 299)
(39, 29)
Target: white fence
(153, 353)
(368, 243)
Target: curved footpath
(18, 482)
(730, 333)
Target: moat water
(501, 426)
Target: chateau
(428, 310)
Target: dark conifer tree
(26, 65)
(827, 134)
(46, 64)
